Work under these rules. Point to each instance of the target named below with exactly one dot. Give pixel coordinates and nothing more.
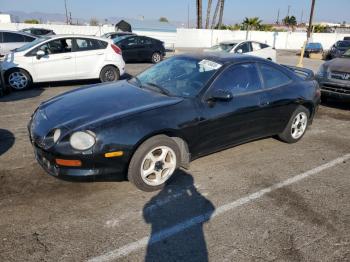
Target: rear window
(343, 44)
(12, 37)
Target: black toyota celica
(180, 109)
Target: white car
(61, 58)
(245, 47)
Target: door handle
(99, 53)
(67, 57)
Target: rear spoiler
(303, 73)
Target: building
(5, 18)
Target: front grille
(340, 75)
(335, 88)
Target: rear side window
(245, 47)
(264, 46)
(239, 79)
(256, 46)
(103, 44)
(273, 77)
(85, 44)
(145, 41)
(12, 37)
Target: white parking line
(163, 234)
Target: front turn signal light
(66, 162)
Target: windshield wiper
(138, 81)
(160, 88)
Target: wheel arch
(179, 140)
(12, 69)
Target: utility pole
(188, 15)
(278, 17)
(65, 7)
(288, 10)
(302, 16)
(309, 30)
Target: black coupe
(180, 109)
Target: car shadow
(177, 215)
(336, 103)
(7, 140)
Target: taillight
(116, 49)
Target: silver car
(10, 40)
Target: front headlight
(82, 140)
(56, 135)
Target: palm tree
(199, 14)
(213, 23)
(251, 23)
(290, 21)
(222, 6)
(208, 14)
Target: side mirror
(239, 51)
(40, 54)
(220, 95)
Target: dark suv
(338, 49)
(38, 31)
(141, 48)
(334, 77)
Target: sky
(176, 10)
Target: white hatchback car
(61, 58)
(245, 47)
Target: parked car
(334, 77)
(113, 35)
(347, 38)
(338, 49)
(38, 31)
(64, 57)
(141, 48)
(178, 110)
(245, 47)
(313, 48)
(10, 40)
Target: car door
(146, 48)
(130, 48)
(230, 122)
(89, 57)
(58, 63)
(278, 104)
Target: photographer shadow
(177, 215)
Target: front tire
(297, 126)
(109, 74)
(153, 163)
(18, 79)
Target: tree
(94, 22)
(222, 6)
(208, 14)
(290, 21)
(199, 13)
(321, 29)
(163, 20)
(31, 21)
(253, 23)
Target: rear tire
(18, 79)
(153, 163)
(296, 126)
(109, 74)
(156, 57)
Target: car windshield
(223, 47)
(178, 76)
(314, 46)
(343, 44)
(346, 54)
(31, 44)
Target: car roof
(221, 57)
(227, 42)
(40, 28)
(75, 36)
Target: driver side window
(239, 79)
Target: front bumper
(335, 89)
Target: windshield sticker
(208, 65)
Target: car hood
(340, 64)
(89, 106)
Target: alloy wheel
(299, 125)
(158, 165)
(18, 80)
